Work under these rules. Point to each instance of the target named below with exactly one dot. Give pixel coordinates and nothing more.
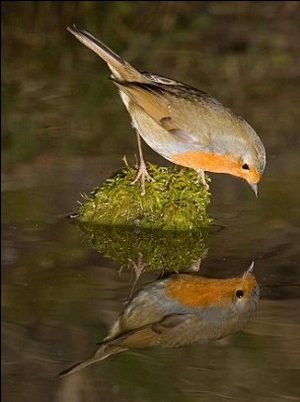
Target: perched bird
(180, 310)
(183, 124)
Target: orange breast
(210, 162)
(206, 161)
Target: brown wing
(167, 110)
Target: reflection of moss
(175, 200)
(157, 249)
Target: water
(60, 296)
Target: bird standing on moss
(183, 124)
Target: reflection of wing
(152, 334)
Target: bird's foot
(142, 175)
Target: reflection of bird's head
(200, 292)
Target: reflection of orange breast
(193, 291)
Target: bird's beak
(254, 187)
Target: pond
(64, 131)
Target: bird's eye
(245, 166)
(239, 293)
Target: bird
(183, 124)
(179, 310)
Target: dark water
(60, 296)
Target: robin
(180, 310)
(183, 124)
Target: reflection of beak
(254, 188)
(249, 270)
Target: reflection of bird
(186, 126)
(180, 310)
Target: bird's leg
(201, 175)
(142, 172)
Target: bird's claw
(142, 175)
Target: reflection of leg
(142, 172)
(195, 267)
(138, 268)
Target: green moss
(175, 200)
(166, 229)
(150, 249)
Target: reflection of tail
(103, 353)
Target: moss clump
(151, 249)
(175, 200)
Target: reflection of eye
(239, 294)
(245, 166)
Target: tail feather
(103, 353)
(119, 67)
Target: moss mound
(175, 200)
